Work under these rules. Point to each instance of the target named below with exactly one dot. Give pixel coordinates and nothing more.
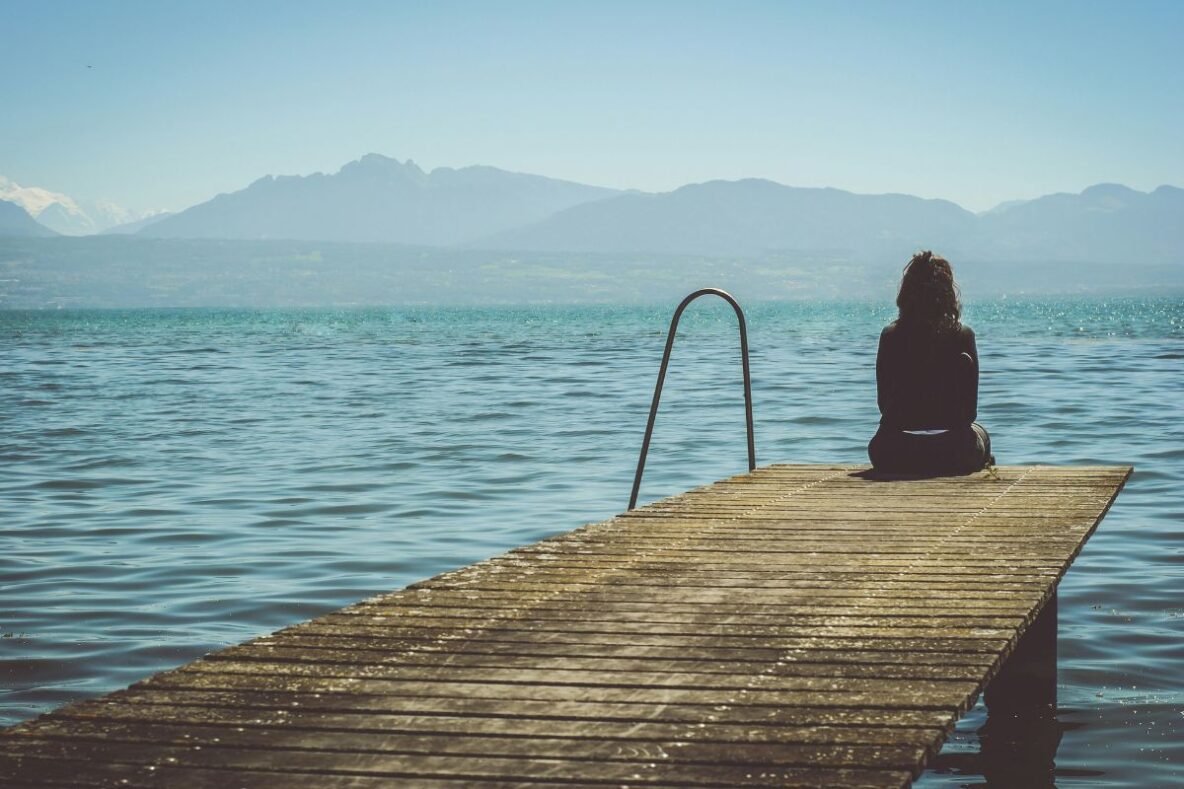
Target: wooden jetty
(795, 626)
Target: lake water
(176, 481)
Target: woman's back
(926, 379)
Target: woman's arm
(883, 374)
(971, 395)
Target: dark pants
(958, 451)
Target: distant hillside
(1106, 222)
(747, 217)
(378, 199)
(15, 221)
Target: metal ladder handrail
(649, 428)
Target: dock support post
(1028, 678)
(1020, 739)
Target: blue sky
(978, 103)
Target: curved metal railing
(649, 428)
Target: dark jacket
(923, 380)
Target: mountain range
(1104, 223)
(63, 214)
(746, 217)
(380, 199)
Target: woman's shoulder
(965, 341)
(896, 333)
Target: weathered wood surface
(796, 626)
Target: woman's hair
(928, 296)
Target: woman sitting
(927, 380)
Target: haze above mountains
(379, 199)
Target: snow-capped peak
(63, 213)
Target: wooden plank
(578, 743)
(212, 718)
(796, 626)
(287, 701)
(649, 767)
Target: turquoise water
(176, 481)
